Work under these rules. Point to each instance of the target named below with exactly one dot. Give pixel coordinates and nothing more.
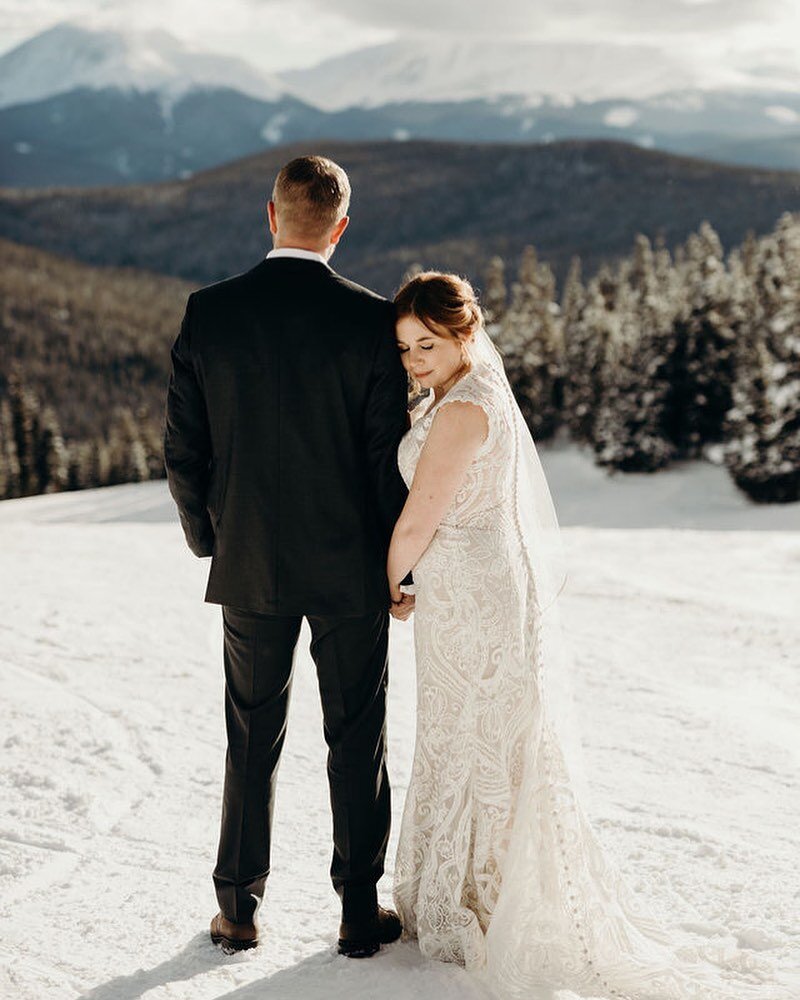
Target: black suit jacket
(286, 403)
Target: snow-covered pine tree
(777, 282)
(763, 462)
(748, 251)
(590, 321)
(529, 337)
(573, 296)
(51, 456)
(665, 268)
(79, 465)
(709, 319)
(10, 481)
(128, 454)
(494, 300)
(100, 466)
(152, 435)
(763, 427)
(629, 431)
(25, 423)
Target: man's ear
(339, 228)
(273, 217)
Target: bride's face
(431, 359)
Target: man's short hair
(311, 195)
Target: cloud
(274, 35)
(569, 17)
(283, 34)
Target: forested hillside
(664, 356)
(85, 360)
(449, 206)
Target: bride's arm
(457, 432)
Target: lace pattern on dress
(497, 867)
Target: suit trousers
(350, 654)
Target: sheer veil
(538, 928)
(543, 548)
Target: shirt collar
(297, 252)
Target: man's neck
(295, 252)
(299, 245)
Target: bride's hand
(401, 610)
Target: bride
(497, 867)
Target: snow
(272, 130)
(438, 70)
(683, 102)
(682, 612)
(780, 113)
(73, 54)
(621, 117)
(559, 72)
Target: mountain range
(81, 106)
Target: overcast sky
(278, 34)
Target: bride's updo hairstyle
(445, 303)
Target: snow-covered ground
(113, 744)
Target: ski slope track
(682, 614)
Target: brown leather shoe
(361, 939)
(233, 937)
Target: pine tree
(763, 426)
(763, 452)
(530, 340)
(748, 252)
(128, 454)
(100, 466)
(573, 297)
(777, 282)
(10, 474)
(51, 456)
(25, 423)
(629, 430)
(79, 465)
(702, 370)
(152, 437)
(587, 335)
(589, 321)
(494, 300)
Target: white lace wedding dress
(497, 868)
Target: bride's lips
(422, 374)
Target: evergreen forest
(664, 356)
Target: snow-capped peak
(438, 70)
(432, 69)
(70, 55)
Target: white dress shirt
(297, 252)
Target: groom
(286, 403)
